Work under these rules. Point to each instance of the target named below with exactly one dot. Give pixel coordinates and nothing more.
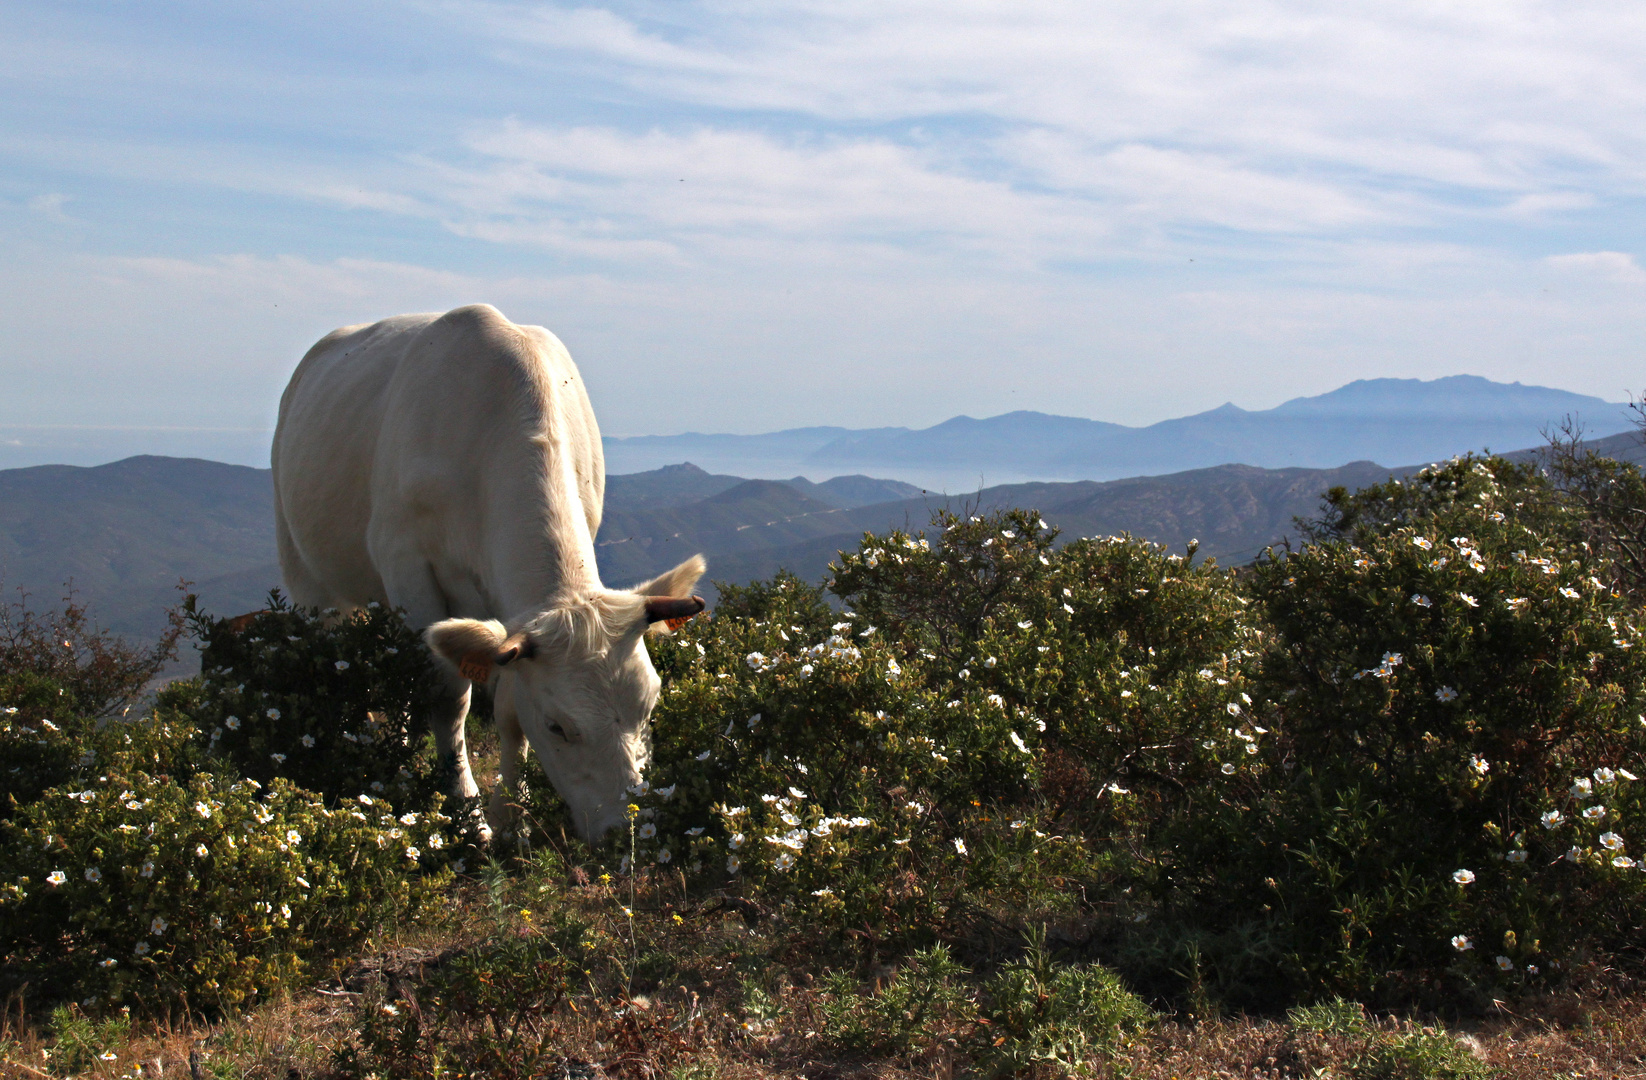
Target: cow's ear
(476, 646)
(676, 582)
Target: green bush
(334, 705)
(909, 1011)
(140, 888)
(815, 758)
(1448, 805)
(1039, 1013)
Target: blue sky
(748, 216)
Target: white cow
(451, 465)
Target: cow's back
(424, 441)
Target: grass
(690, 988)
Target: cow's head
(579, 679)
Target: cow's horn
(659, 608)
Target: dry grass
(688, 1021)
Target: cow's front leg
(447, 715)
(505, 796)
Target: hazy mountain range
(1398, 420)
(125, 533)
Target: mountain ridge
(1368, 419)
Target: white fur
(451, 465)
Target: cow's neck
(550, 556)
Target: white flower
(1467, 599)
(1422, 542)
(1463, 877)
(147, 870)
(1582, 788)
(990, 662)
(436, 842)
(201, 851)
(1228, 768)
(307, 740)
(667, 792)
(232, 723)
(1551, 818)
(1025, 625)
(408, 819)
(704, 756)
(1623, 862)
(1627, 775)
(1421, 601)
(202, 809)
(756, 660)
(664, 855)
(1479, 764)
(1505, 964)
(734, 841)
(1570, 594)
(272, 714)
(279, 759)
(285, 911)
(695, 832)
(797, 793)
(110, 962)
(1594, 813)
(1573, 853)
(789, 819)
(1445, 694)
(647, 831)
(783, 862)
(390, 1010)
(824, 891)
(56, 878)
(93, 874)
(960, 845)
(158, 926)
(806, 669)
(1516, 856)
(1017, 741)
(1234, 708)
(1611, 841)
(365, 800)
(1603, 775)
(732, 864)
(140, 949)
(1462, 943)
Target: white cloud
(50, 206)
(1608, 265)
(848, 212)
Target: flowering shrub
(815, 760)
(134, 887)
(1447, 802)
(328, 704)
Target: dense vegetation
(993, 794)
